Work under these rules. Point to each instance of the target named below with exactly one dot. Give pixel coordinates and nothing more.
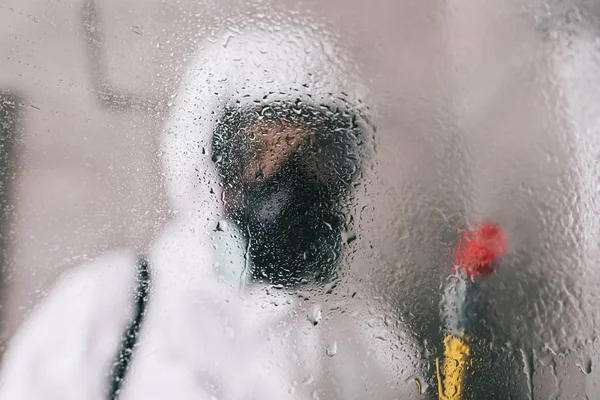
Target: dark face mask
(293, 217)
(293, 223)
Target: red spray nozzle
(480, 249)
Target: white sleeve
(66, 348)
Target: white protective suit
(205, 334)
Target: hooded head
(269, 132)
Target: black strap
(130, 336)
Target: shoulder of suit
(110, 276)
(70, 339)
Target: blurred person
(265, 145)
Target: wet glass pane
(299, 200)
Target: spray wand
(477, 256)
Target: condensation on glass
(283, 200)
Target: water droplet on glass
(528, 368)
(348, 237)
(259, 175)
(419, 386)
(332, 349)
(221, 226)
(315, 314)
(308, 380)
(585, 365)
(426, 352)
(420, 382)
